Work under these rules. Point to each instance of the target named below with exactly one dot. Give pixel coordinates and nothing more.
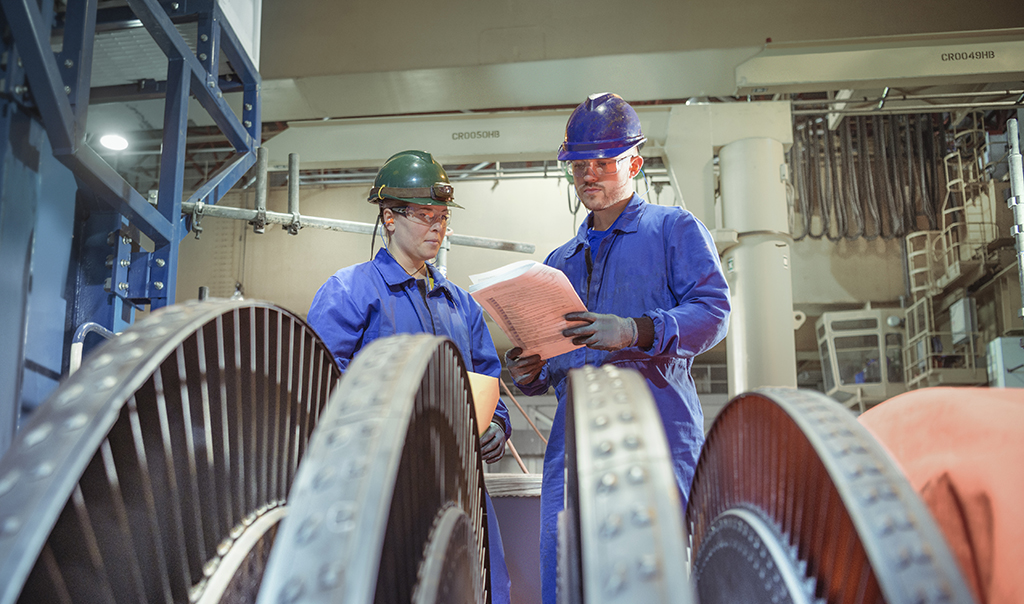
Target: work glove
(492, 443)
(523, 369)
(601, 332)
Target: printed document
(527, 300)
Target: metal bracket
(294, 226)
(197, 216)
(259, 223)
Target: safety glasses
(600, 167)
(425, 216)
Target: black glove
(523, 369)
(492, 443)
(601, 332)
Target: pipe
(1016, 203)
(293, 193)
(78, 342)
(259, 221)
(907, 109)
(515, 454)
(523, 411)
(907, 97)
(332, 224)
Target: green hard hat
(413, 177)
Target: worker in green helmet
(400, 291)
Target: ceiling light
(115, 142)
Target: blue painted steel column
(75, 58)
(172, 170)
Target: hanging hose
(895, 214)
(850, 187)
(910, 178)
(817, 199)
(899, 187)
(829, 197)
(878, 179)
(922, 178)
(806, 183)
(796, 161)
(867, 179)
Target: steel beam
(111, 188)
(32, 36)
(213, 189)
(172, 170)
(204, 85)
(76, 59)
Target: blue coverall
(658, 262)
(375, 299)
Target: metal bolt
(20, 89)
(126, 240)
(611, 526)
(124, 263)
(122, 286)
(247, 124)
(210, 83)
(160, 262)
(67, 90)
(202, 56)
(174, 6)
(159, 285)
(69, 63)
(636, 475)
(204, 37)
(248, 106)
(220, 94)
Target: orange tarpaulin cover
(963, 451)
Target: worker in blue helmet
(655, 294)
(399, 291)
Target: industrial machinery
(159, 470)
(794, 501)
(196, 458)
(388, 505)
(620, 537)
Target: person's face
(417, 230)
(602, 191)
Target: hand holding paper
(523, 369)
(529, 300)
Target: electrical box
(1006, 363)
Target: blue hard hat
(602, 126)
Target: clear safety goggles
(425, 216)
(600, 167)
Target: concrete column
(760, 344)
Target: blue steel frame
(110, 274)
(62, 97)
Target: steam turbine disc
(450, 562)
(621, 536)
(157, 472)
(396, 447)
(792, 494)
